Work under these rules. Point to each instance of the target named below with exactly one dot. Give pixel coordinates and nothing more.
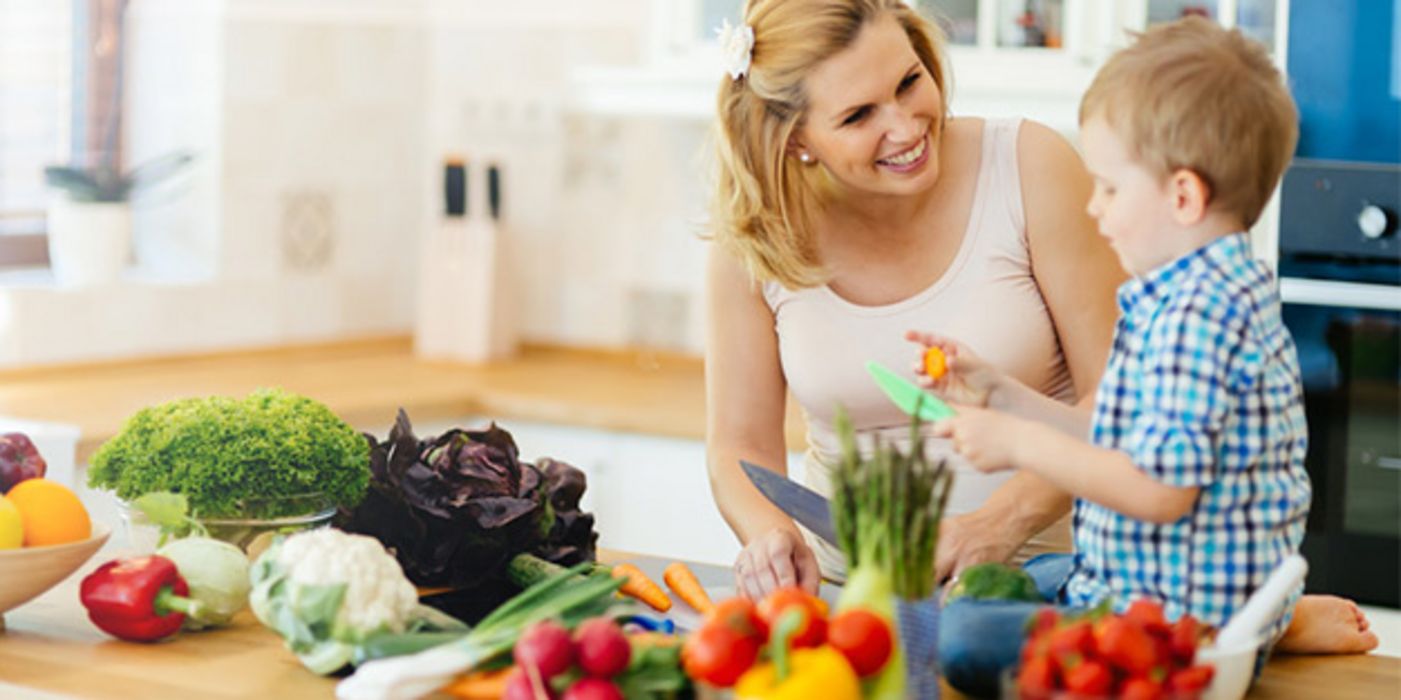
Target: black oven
(1340, 281)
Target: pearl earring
(805, 157)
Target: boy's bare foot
(1327, 624)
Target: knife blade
(801, 503)
(907, 395)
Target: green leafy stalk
(886, 508)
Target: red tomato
(719, 655)
(1192, 679)
(1140, 688)
(1091, 678)
(740, 615)
(1124, 645)
(863, 638)
(1148, 614)
(1037, 679)
(814, 628)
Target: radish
(593, 689)
(545, 647)
(518, 687)
(602, 648)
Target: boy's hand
(967, 378)
(985, 438)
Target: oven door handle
(1293, 290)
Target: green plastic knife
(907, 396)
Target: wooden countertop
(51, 648)
(366, 381)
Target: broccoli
(236, 457)
(991, 580)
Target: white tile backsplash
(362, 102)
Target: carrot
(480, 685)
(639, 586)
(935, 364)
(681, 579)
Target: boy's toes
(1326, 624)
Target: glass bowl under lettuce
(250, 531)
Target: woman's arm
(1077, 274)
(745, 394)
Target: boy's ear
(1190, 196)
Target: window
(35, 98)
(60, 102)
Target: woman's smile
(908, 160)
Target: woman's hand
(773, 560)
(968, 539)
(967, 378)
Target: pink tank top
(988, 299)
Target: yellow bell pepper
(814, 673)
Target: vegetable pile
(327, 593)
(787, 647)
(597, 662)
(458, 511)
(191, 583)
(236, 457)
(1138, 655)
(886, 510)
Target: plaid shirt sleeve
(1192, 351)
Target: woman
(850, 207)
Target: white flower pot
(89, 242)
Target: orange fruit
(51, 512)
(935, 364)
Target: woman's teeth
(909, 156)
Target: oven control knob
(1375, 221)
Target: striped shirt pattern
(1202, 389)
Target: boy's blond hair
(1193, 95)
(763, 201)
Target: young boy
(1192, 487)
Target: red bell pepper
(139, 600)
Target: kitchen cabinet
(1031, 58)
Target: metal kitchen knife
(907, 396)
(804, 505)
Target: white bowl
(28, 571)
(1235, 669)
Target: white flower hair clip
(736, 47)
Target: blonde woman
(852, 206)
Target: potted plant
(89, 216)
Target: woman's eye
(856, 116)
(907, 82)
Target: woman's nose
(904, 126)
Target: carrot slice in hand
(682, 580)
(935, 363)
(639, 586)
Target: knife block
(461, 312)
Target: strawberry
(1148, 614)
(1124, 645)
(1044, 621)
(1072, 643)
(1091, 678)
(1140, 688)
(1183, 639)
(1037, 679)
(1191, 680)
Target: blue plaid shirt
(1202, 389)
